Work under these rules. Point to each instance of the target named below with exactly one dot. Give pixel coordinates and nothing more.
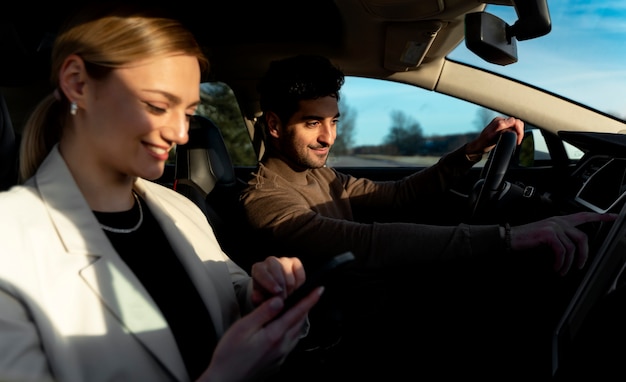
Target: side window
(573, 152)
(385, 123)
(382, 124)
(534, 150)
(389, 124)
(218, 103)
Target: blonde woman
(105, 275)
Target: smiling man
(304, 207)
(309, 210)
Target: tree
(345, 129)
(405, 134)
(219, 104)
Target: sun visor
(406, 44)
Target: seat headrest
(205, 160)
(8, 148)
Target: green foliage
(219, 104)
(527, 151)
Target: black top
(150, 256)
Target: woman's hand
(276, 276)
(254, 345)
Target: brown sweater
(310, 213)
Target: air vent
(592, 166)
(407, 44)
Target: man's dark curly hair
(291, 80)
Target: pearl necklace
(127, 230)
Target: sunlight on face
(311, 132)
(137, 114)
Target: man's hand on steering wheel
(503, 134)
(488, 138)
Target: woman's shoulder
(23, 218)
(18, 200)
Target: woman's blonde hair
(105, 38)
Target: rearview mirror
(485, 35)
(495, 41)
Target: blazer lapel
(126, 298)
(122, 293)
(190, 241)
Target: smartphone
(316, 277)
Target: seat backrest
(8, 148)
(205, 174)
(204, 161)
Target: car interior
(403, 41)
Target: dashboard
(600, 177)
(603, 183)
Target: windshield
(582, 58)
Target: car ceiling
(363, 37)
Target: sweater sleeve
(296, 227)
(418, 187)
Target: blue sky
(582, 58)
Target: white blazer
(70, 308)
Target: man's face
(310, 132)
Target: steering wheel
(491, 181)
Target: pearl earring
(73, 108)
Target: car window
(385, 123)
(219, 104)
(581, 58)
(382, 124)
(375, 129)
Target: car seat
(8, 148)
(205, 174)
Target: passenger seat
(205, 174)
